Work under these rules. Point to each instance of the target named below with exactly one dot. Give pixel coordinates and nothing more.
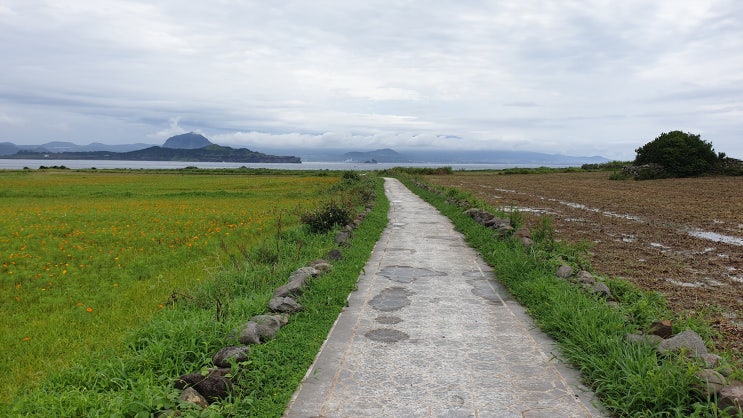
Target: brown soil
(639, 230)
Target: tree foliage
(681, 154)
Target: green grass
(136, 377)
(629, 379)
(86, 256)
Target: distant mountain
(445, 156)
(176, 148)
(504, 157)
(190, 140)
(385, 155)
(8, 148)
(211, 153)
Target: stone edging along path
(201, 389)
(714, 377)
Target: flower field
(86, 256)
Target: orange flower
(88, 309)
(26, 338)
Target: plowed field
(681, 237)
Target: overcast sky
(596, 77)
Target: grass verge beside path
(138, 380)
(629, 379)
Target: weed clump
(327, 217)
(351, 193)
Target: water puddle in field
(527, 209)
(713, 236)
(628, 238)
(697, 233)
(685, 284)
(660, 246)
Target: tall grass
(136, 377)
(87, 256)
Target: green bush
(611, 165)
(681, 154)
(327, 217)
(351, 176)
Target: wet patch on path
(385, 335)
(391, 299)
(407, 274)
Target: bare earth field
(680, 237)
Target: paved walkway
(428, 333)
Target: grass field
(87, 256)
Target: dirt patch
(681, 237)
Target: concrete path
(428, 333)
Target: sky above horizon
(571, 77)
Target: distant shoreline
(19, 164)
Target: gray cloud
(579, 77)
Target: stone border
(713, 378)
(216, 384)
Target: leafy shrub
(418, 171)
(611, 165)
(351, 176)
(681, 154)
(619, 176)
(326, 217)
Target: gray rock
(284, 305)
(478, 215)
(711, 361)
(342, 237)
(643, 339)
(249, 334)
(497, 223)
(305, 273)
(297, 280)
(471, 212)
(321, 266)
(602, 290)
(268, 325)
(710, 382)
(225, 356)
(663, 329)
(483, 216)
(293, 288)
(730, 399)
(564, 271)
(585, 277)
(213, 386)
(335, 254)
(688, 341)
(190, 395)
(526, 241)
